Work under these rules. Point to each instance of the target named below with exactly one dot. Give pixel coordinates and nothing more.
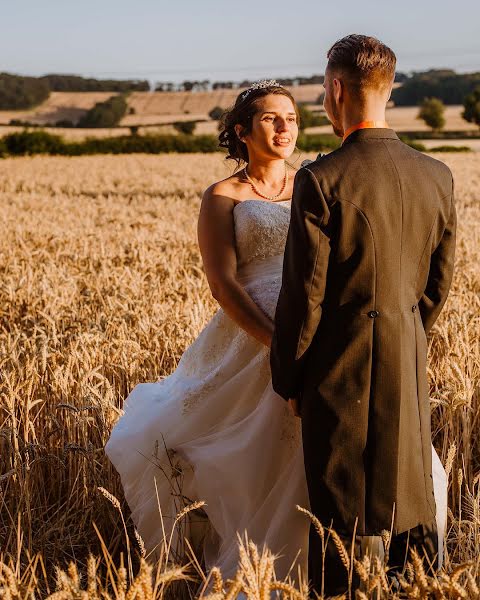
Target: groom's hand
(293, 402)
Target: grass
(103, 288)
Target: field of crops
(102, 287)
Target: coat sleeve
(304, 273)
(440, 272)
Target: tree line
(75, 83)
(40, 142)
(446, 85)
(18, 92)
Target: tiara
(259, 85)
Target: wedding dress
(215, 430)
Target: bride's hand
(293, 402)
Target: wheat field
(102, 288)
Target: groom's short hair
(364, 61)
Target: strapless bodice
(260, 229)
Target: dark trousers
(329, 575)
(424, 539)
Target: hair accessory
(259, 85)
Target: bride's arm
(216, 239)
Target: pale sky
(227, 40)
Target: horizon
(212, 80)
(156, 41)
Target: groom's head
(358, 79)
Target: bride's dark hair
(242, 114)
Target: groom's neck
(372, 109)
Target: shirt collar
(377, 133)
(364, 125)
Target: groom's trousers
(329, 574)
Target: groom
(367, 268)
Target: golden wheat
(102, 288)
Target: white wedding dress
(215, 430)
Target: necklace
(255, 189)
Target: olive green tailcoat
(367, 268)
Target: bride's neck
(269, 172)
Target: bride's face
(274, 128)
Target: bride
(214, 429)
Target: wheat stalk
(96, 300)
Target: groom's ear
(338, 89)
(391, 90)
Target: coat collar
(377, 133)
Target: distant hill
(18, 92)
(148, 109)
(75, 83)
(144, 108)
(21, 92)
(199, 97)
(448, 86)
(59, 106)
(158, 107)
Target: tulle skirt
(215, 430)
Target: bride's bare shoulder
(226, 192)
